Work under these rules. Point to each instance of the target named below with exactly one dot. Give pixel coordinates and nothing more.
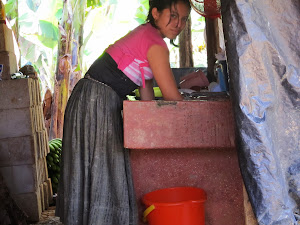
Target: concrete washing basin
(186, 143)
(203, 123)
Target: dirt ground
(48, 217)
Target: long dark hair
(161, 5)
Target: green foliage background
(105, 21)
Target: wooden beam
(212, 44)
(185, 47)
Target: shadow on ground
(48, 217)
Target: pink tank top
(130, 52)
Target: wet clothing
(95, 186)
(130, 52)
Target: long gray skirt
(95, 185)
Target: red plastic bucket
(175, 206)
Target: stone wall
(24, 146)
(8, 59)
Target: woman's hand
(195, 81)
(158, 58)
(147, 93)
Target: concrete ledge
(10, 65)
(178, 125)
(14, 94)
(20, 93)
(30, 203)
(15, 123)
(216, 171)
(20, 179)
(17, 151)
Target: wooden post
(185, 46)
(212, 46)
(68, 59)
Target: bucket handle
(147, 211)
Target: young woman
(95, 185)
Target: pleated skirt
(95, 185)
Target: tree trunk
(212, 47)
(71, 31)
(185, 46)
(77, 43)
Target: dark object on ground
(29, 71)
(10, 213)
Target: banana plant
(70, 54)
(35, 26)
(55, 35)
(37, 30)
(142, 11)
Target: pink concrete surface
(178, 125)
(214, 170)
(187, 143)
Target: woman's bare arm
(158, 58)
(147, 92)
